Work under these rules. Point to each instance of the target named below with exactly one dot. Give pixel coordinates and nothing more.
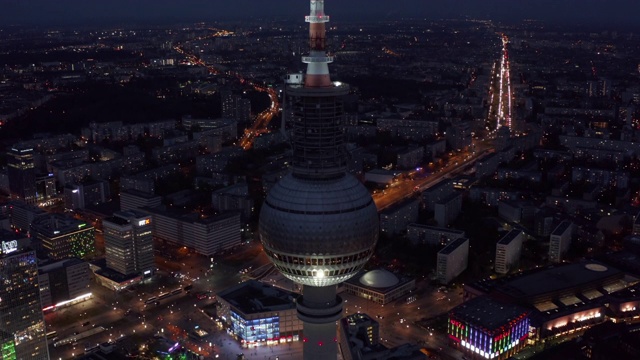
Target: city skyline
(73, 12)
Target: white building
(419, 234)
(452, 260)
(560, 240)
(508, 250)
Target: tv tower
(318, 225)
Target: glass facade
(256, 330)
(501, 343)
(21, 320)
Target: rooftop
(560, 229)
(56, 225)
(453, 245)
(580, 276)
(379, 278)
(252, 297)
(487, 312)
(511, 235)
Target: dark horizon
(613, 14)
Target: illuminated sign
(9, 246)
(144, 222)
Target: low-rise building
(489, 329)
(380, 286)
(259, 314)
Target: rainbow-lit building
(489, 329)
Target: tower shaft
(317, 62)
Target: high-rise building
(80, 195)
(236, 107)
(560, 240)
(318, 224)
(64, 283)
(128, 243)
(22, 173)
(508, 250)
(22, 328)
(452, 260)
(64, 237)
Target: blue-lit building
(490, 329)
(259, 314)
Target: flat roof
(488, 313)
(436, 228)
(449, 197)
(560, 229)
(558, 278)
(453, 245)
(252, 297)
(511, 235)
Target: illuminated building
(128, 243)
(491, 329)
(562, 299)
(64, 237)
(318, 224)
(22, 328)
(22, 173)
(63, 283)
(259, 314)
(7, 346)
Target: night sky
(60, 12)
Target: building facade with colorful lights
(565, 300)
(259, 314)
(488, 328)
(64, 237)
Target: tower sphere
(319, 232)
